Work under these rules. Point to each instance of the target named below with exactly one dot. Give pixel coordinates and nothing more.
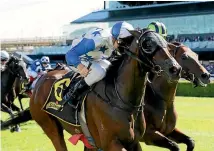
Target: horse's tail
(18, 118)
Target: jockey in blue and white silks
(38, 68)
(94, 46)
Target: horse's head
(153, 53)
(192, 70)
(17, 67)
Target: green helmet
(159, 28)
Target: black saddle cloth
(54, 101)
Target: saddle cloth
(54, 100)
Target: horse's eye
(184, 56)
(147, 44)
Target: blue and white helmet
(120, 30)
(4, 55)
(45, 59)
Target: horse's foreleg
(157, 139)
(14, 107)
(179, 137)
(20, 97)
(6, 109)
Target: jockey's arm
(38, 68)
(73, 58)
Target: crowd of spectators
(210, 68)
(194, 38)
(209, 65)
(142, 3)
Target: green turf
(196, 119)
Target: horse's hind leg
(52, 129)
(157, 139)
(179, 137)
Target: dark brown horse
(113, 107)
(15, 68)
(160, 113)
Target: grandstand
(188, 22)
(9, 44)
(183, 19)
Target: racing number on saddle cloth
(59, 86)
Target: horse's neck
(8, 78)
(165, 89)
(130, 83)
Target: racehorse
(113, 106)
(15, 67)
(160, 113)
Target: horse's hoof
(17, 129)
(190, 145)
(174, 147)
(12, 130)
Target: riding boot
(74, 92)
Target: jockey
(94, 47)
(159, 28)
(4, 59)
(36, 69)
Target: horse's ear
(135, 33)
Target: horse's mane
(112, 71)
(116, 60)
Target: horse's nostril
(173, 70)
(205, 76)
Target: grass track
(196, 119)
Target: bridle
(185, 74)
(142, 59)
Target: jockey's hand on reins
(64, 103)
